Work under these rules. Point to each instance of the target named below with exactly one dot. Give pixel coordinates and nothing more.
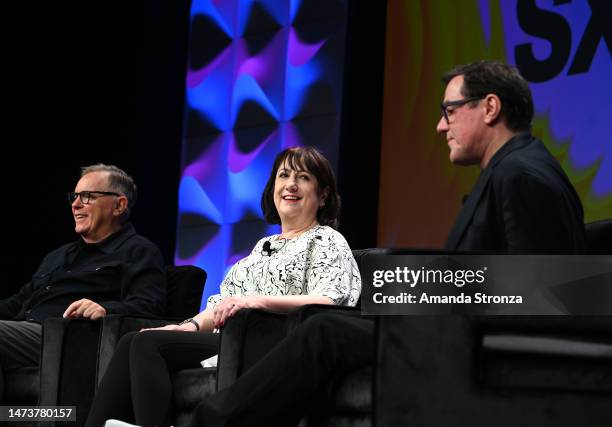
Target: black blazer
(522, 202)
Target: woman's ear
(323, 196)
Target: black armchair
(599, 236)
(502, 371)
(251, 334)
(497, 370)
(185, 287)
(246, 338)
(71, 362)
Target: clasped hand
(231, 305)
(223, 311)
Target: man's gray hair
(118, 181)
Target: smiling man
(110, 269)
(522, 201)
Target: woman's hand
(231, 305)
(187, 327)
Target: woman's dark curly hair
(311, 160)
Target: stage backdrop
(263, 75)
(561, 47)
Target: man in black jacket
(109, 270)
(522, 201)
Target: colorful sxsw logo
(563, 48)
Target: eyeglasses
(457, 103)
(87, 196)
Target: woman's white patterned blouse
(317, 262)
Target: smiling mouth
(291, 198)
(79, 217)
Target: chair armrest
(300, 314)
(68, 363)
(246, 338)
(569, 353)
(563, 336)
(75, 354)
(250, 334)
(114, 327)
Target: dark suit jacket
(522, 202)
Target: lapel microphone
(267, 248)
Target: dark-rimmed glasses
(458, 103)
(87, 196)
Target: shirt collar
(112, 242)
(517, 141)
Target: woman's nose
(292, 184)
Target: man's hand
(85, 308)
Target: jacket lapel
(467, 211)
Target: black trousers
(137, 385)
(19, 347)
(280, 388)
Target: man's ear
(493, 107)
(121, 206)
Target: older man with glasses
(523, 200)
(110, 269)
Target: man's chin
(80, 230)
(455, 159)
(461, 160)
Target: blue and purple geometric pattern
(263, 75)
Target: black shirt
(124, 274)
